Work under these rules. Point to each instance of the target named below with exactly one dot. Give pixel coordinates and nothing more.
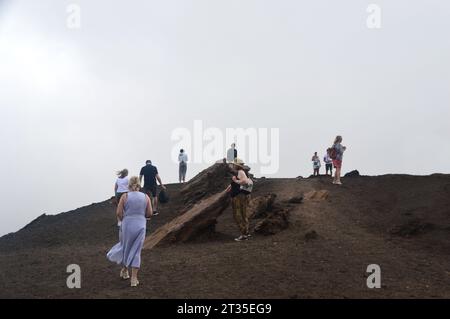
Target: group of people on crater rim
(135, 204)
(332, 158)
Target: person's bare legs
(134, 279)
(338, 175)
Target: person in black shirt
(150, 175)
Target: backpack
(163, 197)
(332, 153)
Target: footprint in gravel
(412, 228)
(311, 235)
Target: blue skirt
(128, 251)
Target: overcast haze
(79, 104)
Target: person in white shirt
(120, 188)
(182, 159)
(232, 153)
(328, 163)
(316, 164)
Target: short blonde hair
(134, 184)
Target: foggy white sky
(77, 105)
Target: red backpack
(332, 153)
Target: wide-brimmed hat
(239, 162)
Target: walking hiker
(316, 164)
(337, 154)
(328, 163)
(132, 210)
(150, 174)
(120, 188)
(232, 153)
(121, 185)
(182, 159)
(240, 189)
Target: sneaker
(338, 183)
(134, 282)
(155, 213)
(241, 238)
(124, 274)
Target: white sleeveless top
(122, 185)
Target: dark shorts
(150, 190)
(118, 196)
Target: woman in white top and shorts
(121, 186)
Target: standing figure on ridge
(337, 154)
(182, 159)
(232, 153)
(316, 164)
(328, 163)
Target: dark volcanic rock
(296, 199)
(354, 173)
(259, 206)
(275, 222)
(197, 221)
(208, 182)
(311, 235)
(413, 228)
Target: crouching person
(240, 189)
